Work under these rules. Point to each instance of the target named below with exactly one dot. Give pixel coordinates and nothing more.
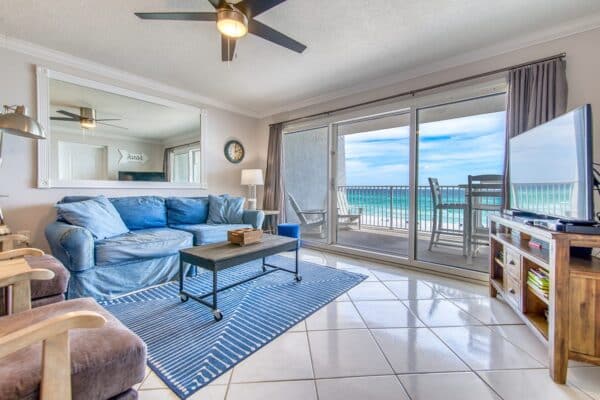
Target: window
(185, 163)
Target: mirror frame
(44, 180)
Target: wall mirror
(105, 136)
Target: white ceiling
(142, 119)
(350, 42)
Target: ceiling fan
(233, 22)
(86, 118)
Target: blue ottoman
(289, 230)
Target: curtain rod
(424, 89)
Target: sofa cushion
(51, 287)
(225, 209)
(97, 215)
(206, 234)
(105, 361)
(141, 212)
(187, 210)
(141, 244)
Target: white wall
(29, 208)
(583, 74)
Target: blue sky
(449, 150)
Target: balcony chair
(72, 349)
(310, 220)
(484, 196)
(347, 215)
(439, 233)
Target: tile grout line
(312, 365)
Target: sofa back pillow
(97, 215)
(141, 212)
(187, 210)
(225, 209)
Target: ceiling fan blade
(179, 16)
(111, 125)
(252, 8)
(70, 114)
(64, 119)
(270, 34)
(227, 48)
(107, 119)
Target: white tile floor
(400, 335)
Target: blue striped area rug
(188, 349)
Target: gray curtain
(274, 193)
(536, 93)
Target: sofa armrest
(254, 218)
(72, 245)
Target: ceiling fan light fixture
(88, 117)
(232, 23)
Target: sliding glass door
(306, 173)
(372, 183)
(415, 184)
(460, 153)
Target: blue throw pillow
(141, 212)
(97, 215)
(187, 210)
(225, 209)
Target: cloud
(449, 150)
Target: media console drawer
(512, 289)
(512, 261)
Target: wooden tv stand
(572, 326)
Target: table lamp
(15, 121)
(251, 178)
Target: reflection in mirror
(101, 136)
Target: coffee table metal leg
(264, 262)
(184, 297)
(216, 312)
(298, 276)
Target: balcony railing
(388, 207)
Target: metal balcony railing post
(391, 207)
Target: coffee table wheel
(218, 315)
(264, 268)
(183, 297)
(298, 278)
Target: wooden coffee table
(220, 256)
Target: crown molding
(61, 58)
(570, 28)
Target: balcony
(385, 224)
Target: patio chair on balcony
(311, 221)
(347, 215)
(484, 197)
(440, 234)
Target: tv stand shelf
(567, 317)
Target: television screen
(551, 168)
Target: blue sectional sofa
(146, 255)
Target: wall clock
(234, 151)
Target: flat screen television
(551, 168)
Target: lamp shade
(252, 177)
(18, 123)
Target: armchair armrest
(56, 359)
(254, 218)
(27, 251)
(72, 245)
(18, 274)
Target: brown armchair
(67, 350)
(42, 291)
